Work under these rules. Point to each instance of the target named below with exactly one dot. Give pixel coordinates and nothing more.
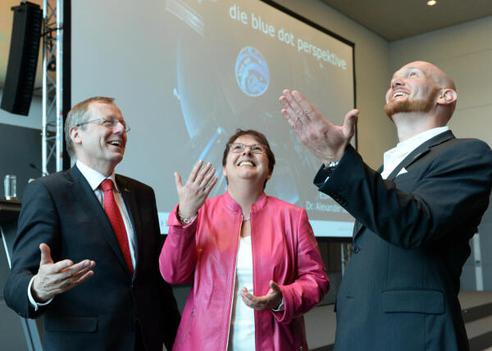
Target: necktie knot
(107, 185)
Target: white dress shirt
(394, 156)
(94, 179)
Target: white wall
(372, 66)
(33, 120)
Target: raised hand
(271, 300)
(193, 193)
(326, 140)
(54, 278)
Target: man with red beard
(414, 217)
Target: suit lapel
(89, 201)
(413, 156)
(128, 195)
(420, 151)
(357, 228)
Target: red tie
(114, 215)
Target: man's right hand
(54, 278)
(326, 140)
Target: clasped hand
(54, 278)
(194, 192)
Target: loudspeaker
(23, 58)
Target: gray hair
(79, 114)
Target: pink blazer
(203, 253)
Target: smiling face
(247, 163)
(414, 88)
(97, 143)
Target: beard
(412, 105)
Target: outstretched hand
(271, 300)
(326, 140)
(194, 192)
(54, 278)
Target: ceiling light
(431, 2)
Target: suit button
(356, 249)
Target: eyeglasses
(238, 148)
(109, 123)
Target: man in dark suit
(413, 221)
(86, 258)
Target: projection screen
(187, 73)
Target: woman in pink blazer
(252, 259)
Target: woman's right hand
(194, 192)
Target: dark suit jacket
(400, 291)
(103, 313)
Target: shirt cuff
(33, 302)
(324, 173)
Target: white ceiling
(398, 19)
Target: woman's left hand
(270, 301)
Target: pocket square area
(402, 171)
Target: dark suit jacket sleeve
(451, 192)
(38, 223)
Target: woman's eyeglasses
(238, 148)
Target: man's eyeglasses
(238, 148)
(109, 123)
